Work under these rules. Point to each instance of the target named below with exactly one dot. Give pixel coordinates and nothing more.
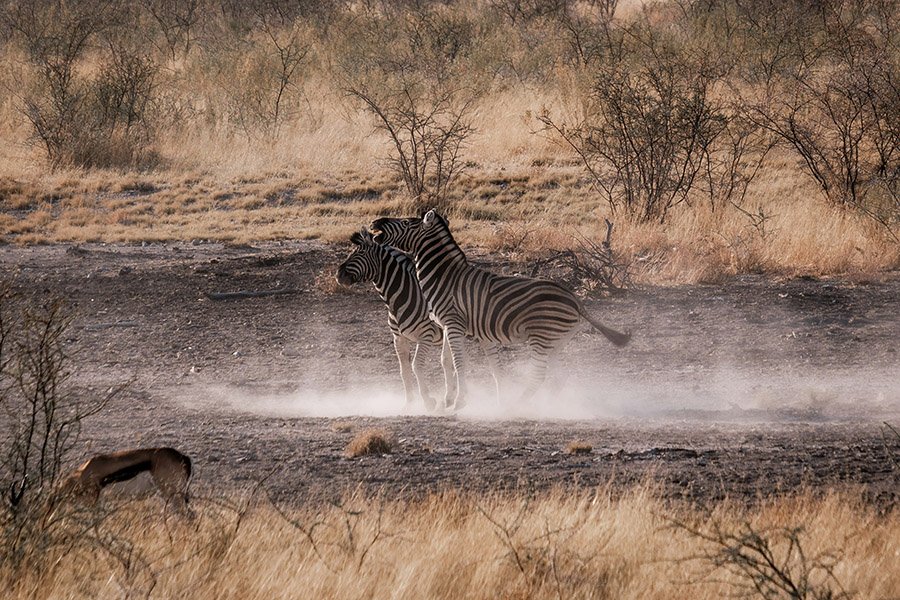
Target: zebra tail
(616, 337)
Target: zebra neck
(451, 255)
(436, 262)
(391, 273)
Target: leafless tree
(177, 20)
(645, 136)
(290, 50)
(427, 139)
(590, 33)
(837, 110)
(412, 76)
(269, 68)
(41, 420)
(524, 11)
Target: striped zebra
(394, 276)
(496, 310)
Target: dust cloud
(721, 394)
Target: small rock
(194, 369)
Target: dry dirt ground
(738, 390)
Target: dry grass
(588, 545)
(579, 447)
(370, 441)
(500, 212)
(504, 204)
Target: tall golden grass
(560, 544)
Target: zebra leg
(402, 346)
(449, 376)
(455, 335)
(537, 372)
(420, 353)
(492, 352)
(545, 357)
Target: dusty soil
(738, 390)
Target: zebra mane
(401, 257)
(362, 237)
(444, 224)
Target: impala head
(363, 263)
(408, 234)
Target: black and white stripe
(496, 310)
(394, 276)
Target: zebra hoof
(430, 404)
(444, 408)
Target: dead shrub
(370, 441)
(769, 562)
(268, 67)
(416, 78)
(835, 105)
(647, 131)
(176, 20)
(41, 424)
(83, 119)
(590, 267)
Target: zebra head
(364, 262)
(409, 235)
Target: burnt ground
(738, 390)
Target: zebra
(394, 277)
(494, 309)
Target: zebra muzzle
(344, 278)
(375, 230)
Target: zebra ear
(428, 219)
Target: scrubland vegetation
(721, 137)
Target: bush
(413, 75)
(647, 130)
(79, 119)
(834, 104)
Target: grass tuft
(370, 441)
(579, 447)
